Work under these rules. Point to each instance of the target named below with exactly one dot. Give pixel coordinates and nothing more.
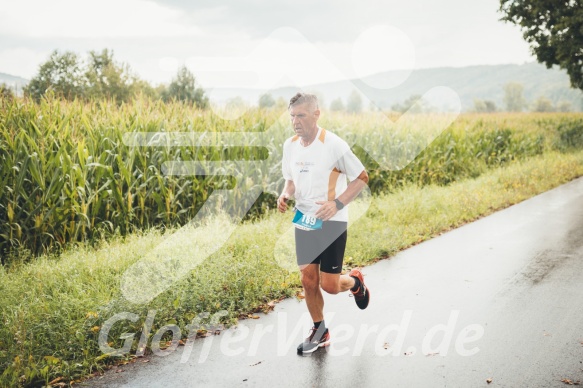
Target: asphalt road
(500, 298)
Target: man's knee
(333, 290)
(310, 278)
(331, 287)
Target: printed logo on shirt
(305, 166)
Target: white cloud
(84, 19)
(284, 56)
(287, 56)
(235, 46)
(382, 48)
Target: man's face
(304, 120)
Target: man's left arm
(354, 188)
(329, 209)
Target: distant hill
(483, 82)
(473, 82)
(14, 82)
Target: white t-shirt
(319, 171)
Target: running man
(316, 164)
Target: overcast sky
(261, 44)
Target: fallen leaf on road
(145, 360)
(269, 306)
(570, 382)
(488, 381)
(55, 380)
(202, 333)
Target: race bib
(306, 222)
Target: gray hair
(304, 98)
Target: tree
(99, 77)
(543, 104)
(337, 105)
(62, 74)
(143, 88)
(266, 101)
(513, 98)
(320, 97)
(554, 30)
(413, 104)
(5, 92)
(484, 106)
(564, 106)
(281, 103)
(236, 103)
(234, 107)
(183, 88)
(354, 102)
(107, 78)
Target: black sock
(356, 284)
(317, 325)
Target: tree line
(67, 76)
(353, 102)
(514, 101)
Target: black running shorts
(323, 246)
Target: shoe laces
(313, 332)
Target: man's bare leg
(310, 276)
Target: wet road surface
(500, 298)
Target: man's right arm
(288, 191)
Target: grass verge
(53, 308)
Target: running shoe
(315, 340)
(362, 295)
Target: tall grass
(66, 175)
(52, 309)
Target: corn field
(67, 176)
